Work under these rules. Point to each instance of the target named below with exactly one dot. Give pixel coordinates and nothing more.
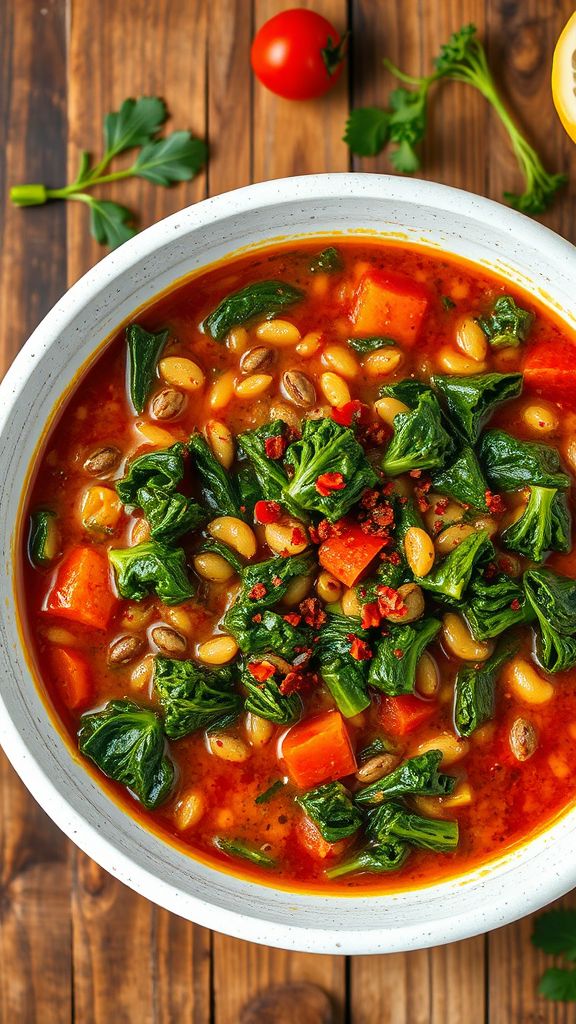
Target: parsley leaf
(176, 158)
(110, 223)
(367, 130)
(134, 124)
(555, 933)
(558, 983)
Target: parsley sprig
(160, 160)
(461, 59)
(555, 933)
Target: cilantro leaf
(110, 223)
(555, 933)
(367, 130)
(558, 983)
(134, 124)
(178, 157)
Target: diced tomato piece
(310, 837)
(72, 676)
(390, 304)
(550, 370)
(318, 750)
(402, 715)
(349, 554)
(82, 591)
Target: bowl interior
(411, 212)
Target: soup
(298, 577)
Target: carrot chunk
(318, 750)
(391, 304)
(72, 676)
(347, 555)
(313, 842)
(550, 370)
(82, 590)
(402, 715)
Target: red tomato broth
(512, 800)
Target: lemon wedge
(564, 77)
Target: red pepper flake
(275, 446)
(398, 653)
(276, 581)
(219, 743)
(390, 602)
(515, 605)
(374, 434)
(349, 413)
(292, 618)
(297, 682)
(416, 473)
(359, 648)
(261, 670)
(437, 525)
(490, 571)
(313, 534)
(298, 536)
(441, 506)
(328, 482)
(312, 612)
(371, 615)
(267, 511)
(258, 592)
(505, 564)
(494, 503)
(257, 618)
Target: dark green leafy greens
(127, 743)
(450, 577)
(553, 601)
(151, 568)
(391, 820)
(494, 605)
(475, 695)
(463, 480)
(271, 792)
(420, 440)
(472, 400)
(170, 515)
(270, 474)
(238, 848)
(42, 523)
(387, 856)
(510, 464)
(544, 525)
(330, 807)
(271, 633)
(327, 447)
(418, 776)
(144, 350)
(162, 161)
(326, 262)
(275, 574)
(150, 484)
(370, 344)
(193, 697)
(160, 469)
(508, 324)
(555, 934)
(461, 59)
(258, 299)
(218, 488)
(393, 667)
(266, 701)
(345, 677)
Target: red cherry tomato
(298, 54)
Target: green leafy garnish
(510, 464)
(162, 161)
(269, 634)
(450, 578)
(127, 743)
(420, 440)
(330, 807)
(475, 697)
(393, 667)
(553, 600)
(544, 525)
(218, 488)
(269, 472)
(462, 59)
(151, 568)
(144, 351)
(494, 605)
(463, 480)
(237, 848)
(555, 934)
(326, 262)
(388, 856)
(418, 776)
(472, 400)
(508, 324)
(393, 821)
(370, 344)
(345, 677)
(266, 701)
(150, 484)
(259, 299)
(193, 697)
(275, 574)
(42, 539)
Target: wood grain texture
(35, 923)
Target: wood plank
(132, 961)
(445, 984)
(35, 927)
(290, 138)
(229, 94)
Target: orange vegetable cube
(72, 676)
(318, 750)
(389, 304)
(82, 590)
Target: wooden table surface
(76, 945)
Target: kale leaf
(150, 484)
(418, 776)
(495, 604)
(393, 668)
(393, 821)
(169, 515)
(508, 324)
(144, 351)
(544, 525)
(162, 469)
(370, 344)
(275, 574)
(553, 600)
(387, 856)
(471, 400)
(331, 809)
(151, 568)
(327, 447)
(450, 578)
(193, 697)
(419, 440)
(463, 480)
(345, 677)
(126, 742)
(269, 472)
(260, 298)
(475, 697)
(218, 487)
(510, 464)
(270, 634)
(266, 701)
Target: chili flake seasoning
(328, 482)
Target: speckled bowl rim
(441, 218)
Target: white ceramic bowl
(412, 211)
